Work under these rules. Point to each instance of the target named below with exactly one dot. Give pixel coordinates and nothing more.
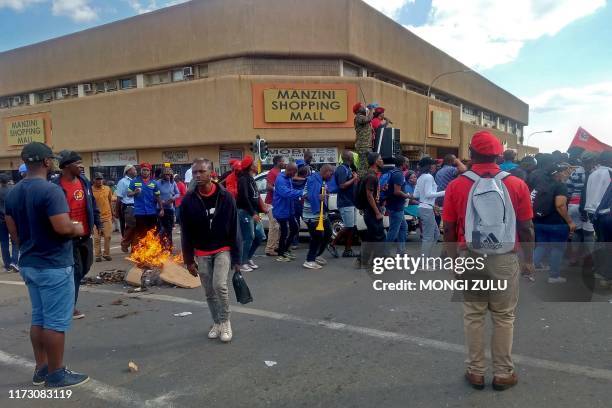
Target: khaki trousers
(273, 234)
(501, 305)
(107, 231)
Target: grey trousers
(431, 232)
(214, 272)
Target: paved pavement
(331, 341)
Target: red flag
(588, 142)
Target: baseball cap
(67, 157)
(98, 176)
(486, 144)
(36, 152)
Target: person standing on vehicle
(83, 209)
(346, 180)
(211, 243)
(315, 193)
(37, 216)
(273, 226)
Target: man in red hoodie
(485, 148)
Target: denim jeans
(398, 229)
(431, 231)
(252, 236)
(603, 229)
(551, 239)
(214, 271)
(8, 256)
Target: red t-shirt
(75, 195)
(182, 188)
(271, 179)
(456, 196)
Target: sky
(553, 54)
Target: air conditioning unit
(188, 71)
(86, 87)
(64, 91)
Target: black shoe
(332, 250)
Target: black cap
(426, 161)
(98, 176)
(68, 157)
(36, 152)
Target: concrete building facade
(205, 77)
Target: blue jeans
(252, 236)
(8, 256)
(398, 228)
(551, 239)
(52, 296)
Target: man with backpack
(553, 224)
(368, 201)
(393, 195)
(484, 211)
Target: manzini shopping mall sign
(24, 129)
(303, 105)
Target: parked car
(334, 215)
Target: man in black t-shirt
(372, 215)
(553, 225)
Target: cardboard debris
(132, 367)
(134, 276)
(177, 275)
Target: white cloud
(18, 5)
(562, 110)
(145, 6)
(485, 33)
(78, 10)
(389, 7)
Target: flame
(151, 251)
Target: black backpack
(543, 199)
(361, 198)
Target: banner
(589, 142)
(116, 158)
(320, 155)
(175, 156)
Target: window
(127, 83)
(469, 110)
(110, 85)
(4, 103)
(178, 75)
(350, 70)
(158, 78)
(203, 71)
(99, 87)
(42, 97)
(74, 90)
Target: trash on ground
(270, 363)
(132, 367)
(183, 314)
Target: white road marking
(115, 395)
(568, 368)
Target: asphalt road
(329, 339)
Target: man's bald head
(291, 169)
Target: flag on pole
(589, 142)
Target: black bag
(361, 198)
(243, 294)
(543, 199)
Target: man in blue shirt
(347, 180)
(451, 168)
(125, 207)
(37, 219)
(146, 202)
(509, 164)
(168, 193)
(395, 203)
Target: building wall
(209, 30)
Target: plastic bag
(243, 294)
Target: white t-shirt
(596, 188)
(426, 191)
(188, 176)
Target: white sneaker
(226, 331)
(311, 265)
(246, 268)
(560, 279)
(252, 264)
(321, 261)
(214, 332)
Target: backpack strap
(471, 175)
(501, 175)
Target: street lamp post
(464, 71)
(535, 133)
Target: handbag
(243, 294)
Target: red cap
(487, 144)
(357, 107)
(146, 166)
(379, 110)
(246, 162)
(235, 164)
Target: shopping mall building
(203, 78)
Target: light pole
(535, 133)
(461, 71)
